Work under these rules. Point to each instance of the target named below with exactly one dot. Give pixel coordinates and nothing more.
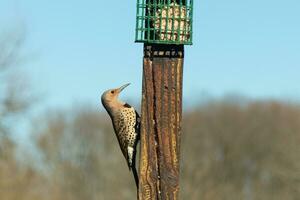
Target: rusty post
(161, 122)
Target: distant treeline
(229, 151)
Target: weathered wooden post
(164, 26)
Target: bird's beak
(123, 87)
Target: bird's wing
(137, 127)
(121, 131)
(125, 130)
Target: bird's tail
(132, 167)
(135, 175)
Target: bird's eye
(112, 92)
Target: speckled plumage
(126, 123)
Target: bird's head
(110, 97)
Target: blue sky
(81, 48)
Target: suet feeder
(164, 21)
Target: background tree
(16, 180)
(246, 151)
(230, 151)
(81, 155)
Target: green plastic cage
(164, 21)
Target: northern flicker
(126, 124)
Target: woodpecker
(126, 124)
